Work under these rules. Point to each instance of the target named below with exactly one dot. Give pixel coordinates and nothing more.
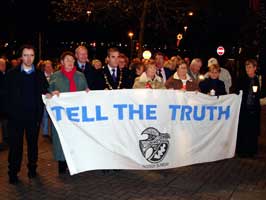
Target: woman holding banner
(212, 85)
(68, 79)
(149, 79)
(180, 80)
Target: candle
(212, 92)
(255, 88)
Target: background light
(146, 54)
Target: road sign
(220, 50)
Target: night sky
(218, 22)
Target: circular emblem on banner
(220, 50)
(155, 146)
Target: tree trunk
(142, 27)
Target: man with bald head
(83, 65)
(194, 69)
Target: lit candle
(212, 92)
(255, 88)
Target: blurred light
(146, 54)
(6, 44)
(130, 34)
(201, 77)
(93, 44)
(239, 50)
(88, 12)
(185, 28)
(190, 13)
(179, 36)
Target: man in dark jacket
(110, 77)
(162, 71)
(24, 88)
(83, 65)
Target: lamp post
(130, 35)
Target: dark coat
(90, 73)
(2, 94)
(13, 89)
(249, 119)
(212, 84)
(174, 83)
(168, 72)
(60, 82)
(104, 79)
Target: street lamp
(179, 37)
(130, 35)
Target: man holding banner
(24, 88)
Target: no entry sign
(220, 50)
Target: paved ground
(235, 179)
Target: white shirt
(111, 70)
(163, 73)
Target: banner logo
(156, 146)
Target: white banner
(143, 129)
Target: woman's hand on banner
(48, 95)
(56, 92)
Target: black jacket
(89, 73)
(250, 99)
(13, 89)
(208, 84)
(104, 79)
(2, 94)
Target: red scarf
(70, 77)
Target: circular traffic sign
(220, 50)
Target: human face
(48, 68)
(195, 68)
(251, 70)
(2, 65)
(112, 59)
(14, 63)
(121, 63)
(27, 57)
(68, 63)
(139, 70)
(182, 70)
(98, 65)
(159, 61)
(151, 71)
(214, 74)
(82, 55)
(187, 60)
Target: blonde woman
(149, 79)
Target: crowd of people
(23, 85)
